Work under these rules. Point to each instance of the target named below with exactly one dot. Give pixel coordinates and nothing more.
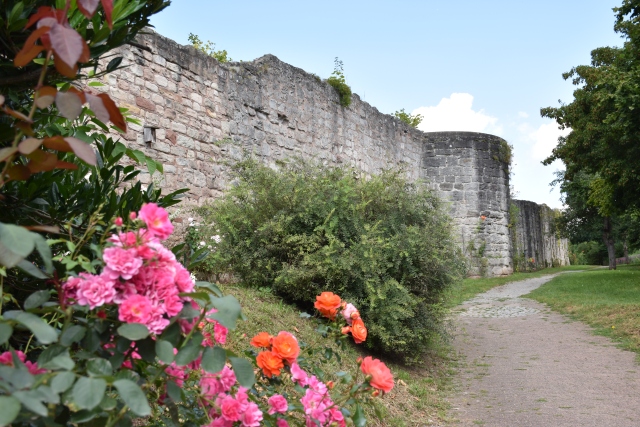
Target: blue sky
(486, 66)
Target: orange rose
(358, 331)
(263, 340)
(286, 346)
(381, 377)
(327, 304)
(270, 363)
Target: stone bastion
(198, 115)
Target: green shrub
(381, 242)
(339, 83)
(410, 119)
(588, 253)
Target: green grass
(468, 288)
(417, 399)
(609, 301)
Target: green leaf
(188, 353)
(31, 401)
(9, 410)
(151, 165)
(63, 381)
(358, 418)
(44, 250)
(213, 288)
(228, 311)
(72, 334)
(18, 241)
(30, 268)
(133, 331)
(5, 332)
(164, 350)
(36, 299)
(136, 155)
(88, 392)
(244, 371)
(174, 391)
(43, 332)
(133, 396)
(213, 359)
(61, 361)
(99, 367)
(118, 149)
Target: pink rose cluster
(140, 275)
(227, 409)
(317, 404)
(6, 359)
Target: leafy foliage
(410, 119)
(209, 48)
(339, 83)
(381, 242)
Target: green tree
(339, 83)
(410, 119)
(603, 117)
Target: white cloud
(522, 114)
(545, 139)
(456, 114)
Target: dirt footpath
(523, 365)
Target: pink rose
(230, 408)
(157, 220)
(252, 416)
(298, 375)
(349, 312)
(277, 403)
(282, 423)
(95, 291)
(136, 309)
(121, 262)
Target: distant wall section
(535, 242)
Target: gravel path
(524, 365)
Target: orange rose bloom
(270, 363)
(358, 331)
(263, 339)
(327, 304)
(381, 377)
(286, 346)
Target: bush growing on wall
(382, 242)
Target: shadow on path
(523, 365)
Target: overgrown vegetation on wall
(209, 48)
(381, 242)
(339, 83)
(412, 120)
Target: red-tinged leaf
(57, 143)
(83, 150)
(30, 50)
(48, 21)
(43, 11)
(7, 152)
(88, 7)
(18, 173)
(107, 5)
(45, 96)
(114, 113)
(18, 115)
(66, 165)
(25, 128)
(85, 56)
(66, 44)
(79, 93)
(25, 56)
(69, 104)
(44, 228)
(64, 69)
(29, 145)
(98, 108)
(1, 100)
(42, 161)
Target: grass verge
(469, 288)
(609, 301)
(418, 397)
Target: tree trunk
(607, 237)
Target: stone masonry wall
(535, 237)
(206, 115)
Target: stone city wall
(535, 243)
(204, 115)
